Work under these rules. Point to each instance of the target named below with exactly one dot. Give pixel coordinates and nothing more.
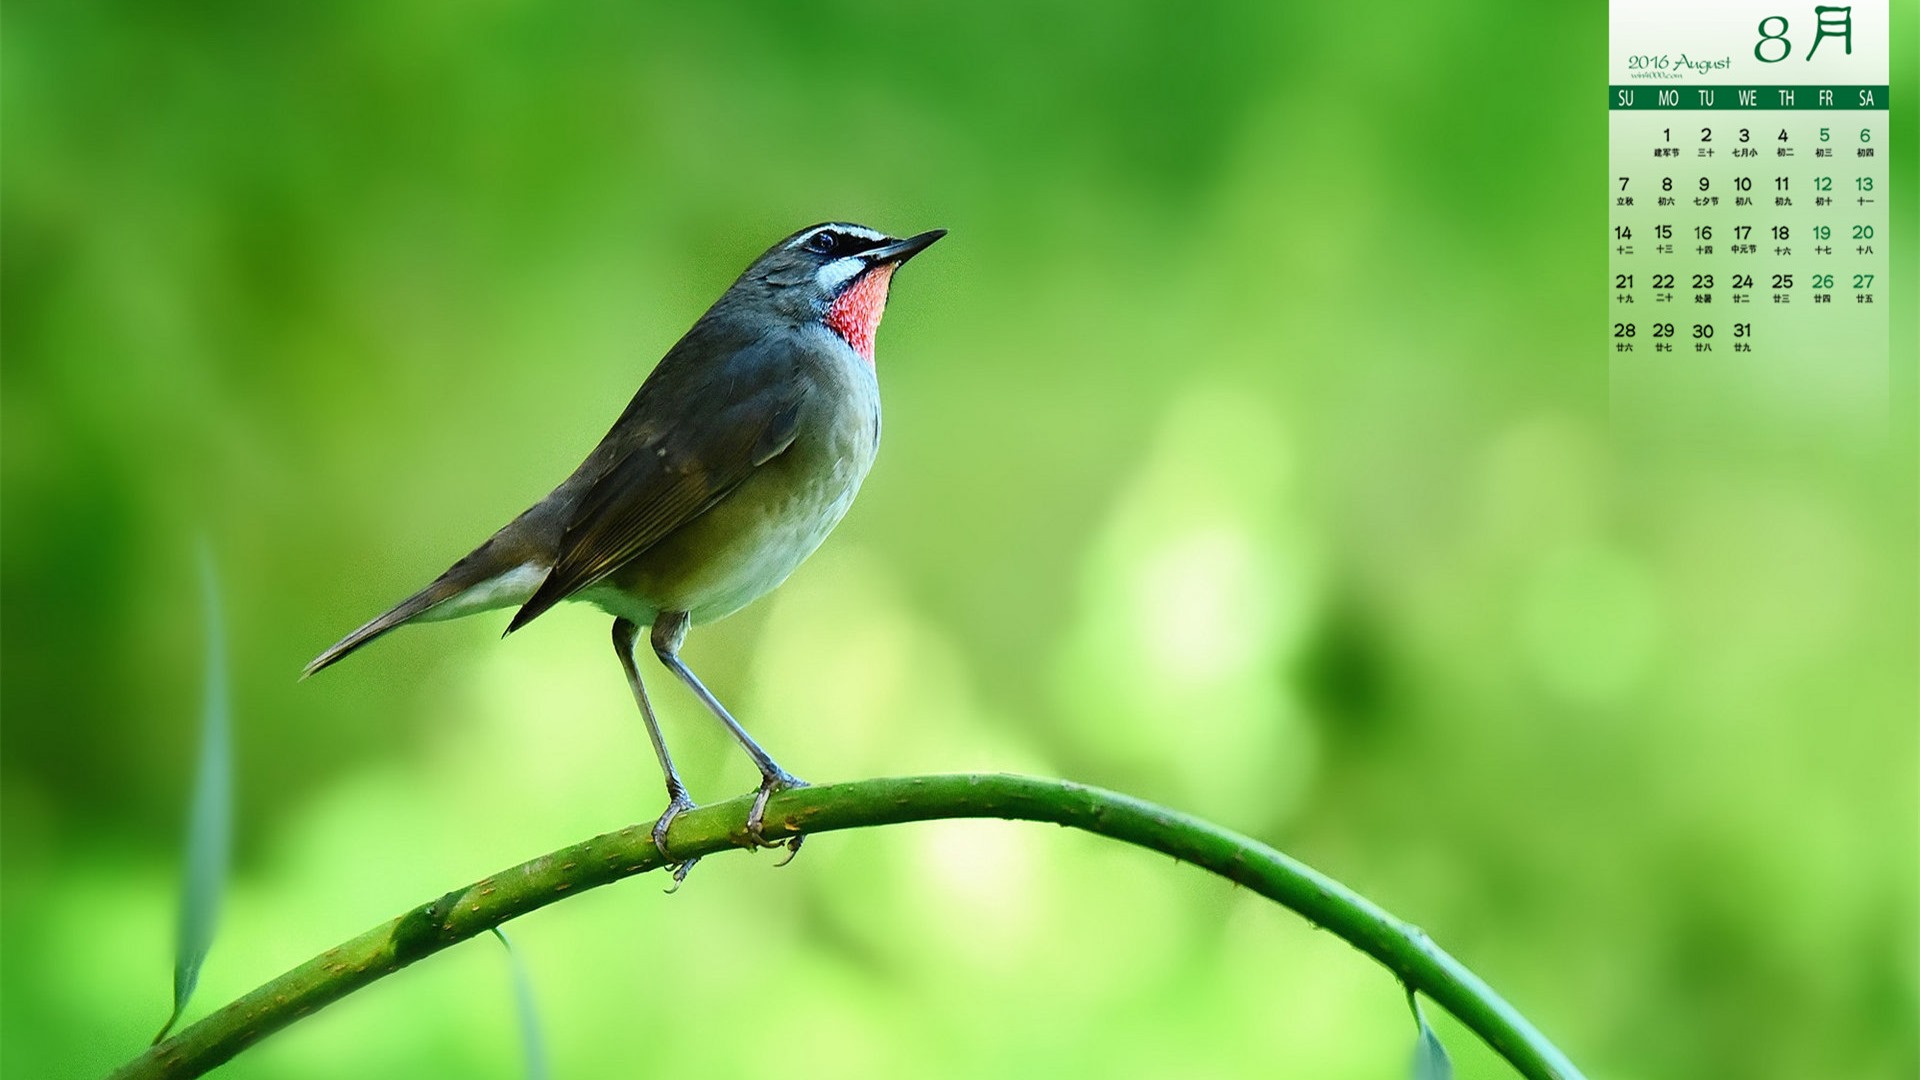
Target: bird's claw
(757, 817)
(676, 804)
(680, 872)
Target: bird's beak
(899, 251)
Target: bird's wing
(691, 435)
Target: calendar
(1748, 212)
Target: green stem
(1405, 950)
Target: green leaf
(210, 819)
(1430, 1061)
(530, 1041)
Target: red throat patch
(855, 313)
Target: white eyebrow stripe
(860, 231)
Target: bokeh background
(1248, 449)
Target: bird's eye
(822, 241)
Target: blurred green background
(1247, 450)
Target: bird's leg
(626, 637)
(669, 630)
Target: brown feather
(691, 435)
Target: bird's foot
(677, 803)
(777, 780)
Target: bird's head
(835, 274)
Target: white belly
(745, 545)
(770, 543)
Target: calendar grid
(1747, 220)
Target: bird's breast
(746, 544)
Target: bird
(742, 449)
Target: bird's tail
(489, 578)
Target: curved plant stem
(1406, 951)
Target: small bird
(741, 451)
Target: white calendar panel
(1747, 196)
